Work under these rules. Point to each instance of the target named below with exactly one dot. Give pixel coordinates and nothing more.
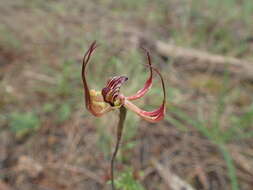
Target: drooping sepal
(151, 116)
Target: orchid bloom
(110, 98)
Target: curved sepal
(151, 116)
(93, 99)
(140, 93)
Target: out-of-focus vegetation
(127, 182)
(23, 123)
(206, 137)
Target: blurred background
(48, 140)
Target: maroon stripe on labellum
(112, 81)
(111, 91)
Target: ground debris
(173, 181)
(30, 166)
(4, 186)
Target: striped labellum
(111, 92)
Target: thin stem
(122, 117)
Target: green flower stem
(122, 117)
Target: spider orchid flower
(110, 98)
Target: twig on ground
(193, 59)
(40, 77)
(173, 181)
(76, 169)
(202, 61)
